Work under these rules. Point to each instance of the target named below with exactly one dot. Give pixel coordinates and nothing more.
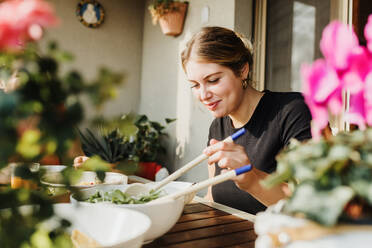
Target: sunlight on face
(215, 86)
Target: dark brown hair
(221, 46)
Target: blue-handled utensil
(137, 188)
(206, 183)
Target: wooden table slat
(218, 241)
(196, 208)
(205, 223)
(205, 232)
(201, 215)
(249, 244)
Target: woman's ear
(245, 71)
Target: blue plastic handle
(237, 134)
(243, 169)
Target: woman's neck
(246, 108)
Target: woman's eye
(194, 86)
(213, 80)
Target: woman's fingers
(213, 141)
(78, 161)
(216, 146)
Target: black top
(277, 118)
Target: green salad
(118, 197)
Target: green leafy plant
(331, 179)
(148, 142)
(39, 110)
(131, 137)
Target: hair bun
(247, 43)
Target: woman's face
(216, 86)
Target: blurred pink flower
(347, 67)
(368, 33)
(360, 112)
(337, 44)
(18, 19)
(322, 92)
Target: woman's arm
(232, 156)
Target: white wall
(116, 44)
(155, 83)
(164, 89)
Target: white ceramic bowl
(53, 168)
(163, 215)
(88, 179)
(109, 226)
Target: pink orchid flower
(337, 44)
(322, 92)
(346, 67)
(19, 20)
(360, 112)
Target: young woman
(218, 63)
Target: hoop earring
(245, 83)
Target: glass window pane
(294, 29)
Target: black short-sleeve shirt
(278, 117)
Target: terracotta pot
(172, 23)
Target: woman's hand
(78, 161)
(228, 156)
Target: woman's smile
(213, 105)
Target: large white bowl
(109, 226)
(163, 215)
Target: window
(293, 32)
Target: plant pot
(276, 229)
(148, 170)
(172, 22)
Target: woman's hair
(221, 46)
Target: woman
(218, 63)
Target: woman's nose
(205, 93)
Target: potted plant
(170, 14)
(330, 179)
(131, 142)
(38, 115)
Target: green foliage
(111, 147)
(148, 141)
(38, 117)
(131, 138)
(327, 174)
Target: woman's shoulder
(287, 101)
(284, 97)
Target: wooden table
(209, 226)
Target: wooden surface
(203, 226)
